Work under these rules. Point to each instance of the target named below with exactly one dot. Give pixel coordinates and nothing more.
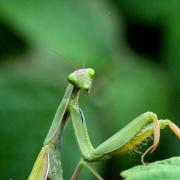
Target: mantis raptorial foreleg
(125, 140)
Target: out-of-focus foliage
(165, 169)
(113, 38)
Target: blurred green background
(134, 47)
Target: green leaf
(165, 169)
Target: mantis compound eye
(91, 72)
(72, 78)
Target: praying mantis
(48, 163)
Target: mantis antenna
(63, 57)
(86, 51)
(91, 43)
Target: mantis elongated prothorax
(142, 128)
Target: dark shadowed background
(134, 47)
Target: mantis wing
(55, 171)
(41, 166)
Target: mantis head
(82, 79)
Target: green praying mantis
(48, 163)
